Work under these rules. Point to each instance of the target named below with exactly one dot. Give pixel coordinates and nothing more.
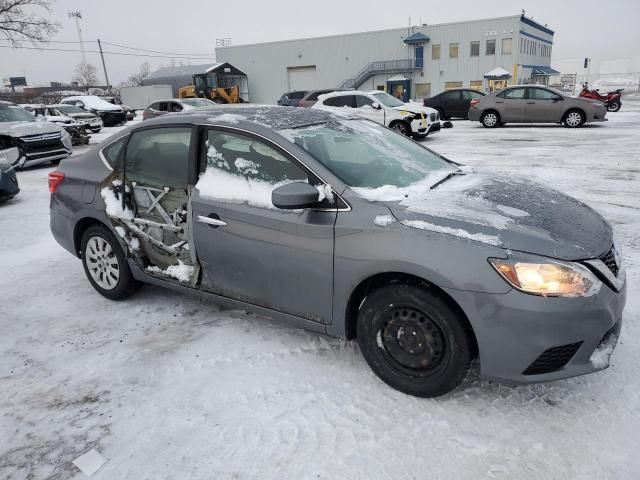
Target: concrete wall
(340, 57)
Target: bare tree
(19, 24)
(86, 74)
(137, 79)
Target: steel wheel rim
(490, 119)
(574, 119)
(399, 127)
(102, 263)
(411, 341)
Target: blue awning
(541, 70)
(417, 37)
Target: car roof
(274, 117)
(338, 93)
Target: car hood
(415, 108)
(512, 214)
(20, 129)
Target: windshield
(198, 102)
(9, 113)
(367, 155)
(387, 100)
(70, 109)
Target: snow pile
(456, 232)
(601, 355)
(392, 193)
(114, 204)
(215, 184)
(325, 192)
(246, 166)
(181, 271)
(383, 220)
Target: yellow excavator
(220, 83)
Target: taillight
(474, 102)
(55, 178)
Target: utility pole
(78, 15)
(104, 66)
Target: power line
(107, 53)
(192, 55)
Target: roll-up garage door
(302, 78)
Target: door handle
(212, 220)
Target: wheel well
(79, 230)
(393, 122)
(574, 109)
(381, 279)
(488, 110)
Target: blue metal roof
(417, 37)
(541, 70)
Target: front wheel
(105, 264)
(614, 106)
(414, 340)
(574, 119)
(401, 127)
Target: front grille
(40, 137)
(41, 146)
(609, 259)
(553, 359)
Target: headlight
(548, 278)
(66, 139)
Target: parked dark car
(311, 98)
(291, 99)
(8, 181)
(535, 104)
(111, 115)
(37, 142)
(453, 103)
(175, 105)
(345, 227)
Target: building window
(475, 49)
(450, 85)
(475, 84)
(423, 90)
(506, 46)
(453, 50)
(491, 47)
(521, 45)
(435, 52)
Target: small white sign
(90, 462)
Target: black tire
(401, 127)
(614, 106)
(490, 119)
(414, 340)
(574, 118)
(125, 285)
(95, 130)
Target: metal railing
(383, 66)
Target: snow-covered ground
(166, 386)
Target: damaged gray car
(342, 226)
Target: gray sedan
(342, 226)
(535, 104)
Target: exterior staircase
(381, 67)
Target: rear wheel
(614, 106)
(105, 264)
(413, 340)
(401, 127)
(490, 119)
(574, 119)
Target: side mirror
(376, 105)
(295, 195)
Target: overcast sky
(192, 26)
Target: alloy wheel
(574, 119)
(102, 263)
(490, 119)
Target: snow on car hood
(20, 129)
(95, 103)
(513, 214)
(415, 108)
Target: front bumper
(421, 127)
(514, 330)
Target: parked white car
(111, 115)
(410, 119)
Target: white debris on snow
(90, 462)
(456, 232)
(181, 272)
(383, 220)
(325, 192)
(601, 355)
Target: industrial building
(410, 63)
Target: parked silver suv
(342, 226)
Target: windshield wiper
(449, 176)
